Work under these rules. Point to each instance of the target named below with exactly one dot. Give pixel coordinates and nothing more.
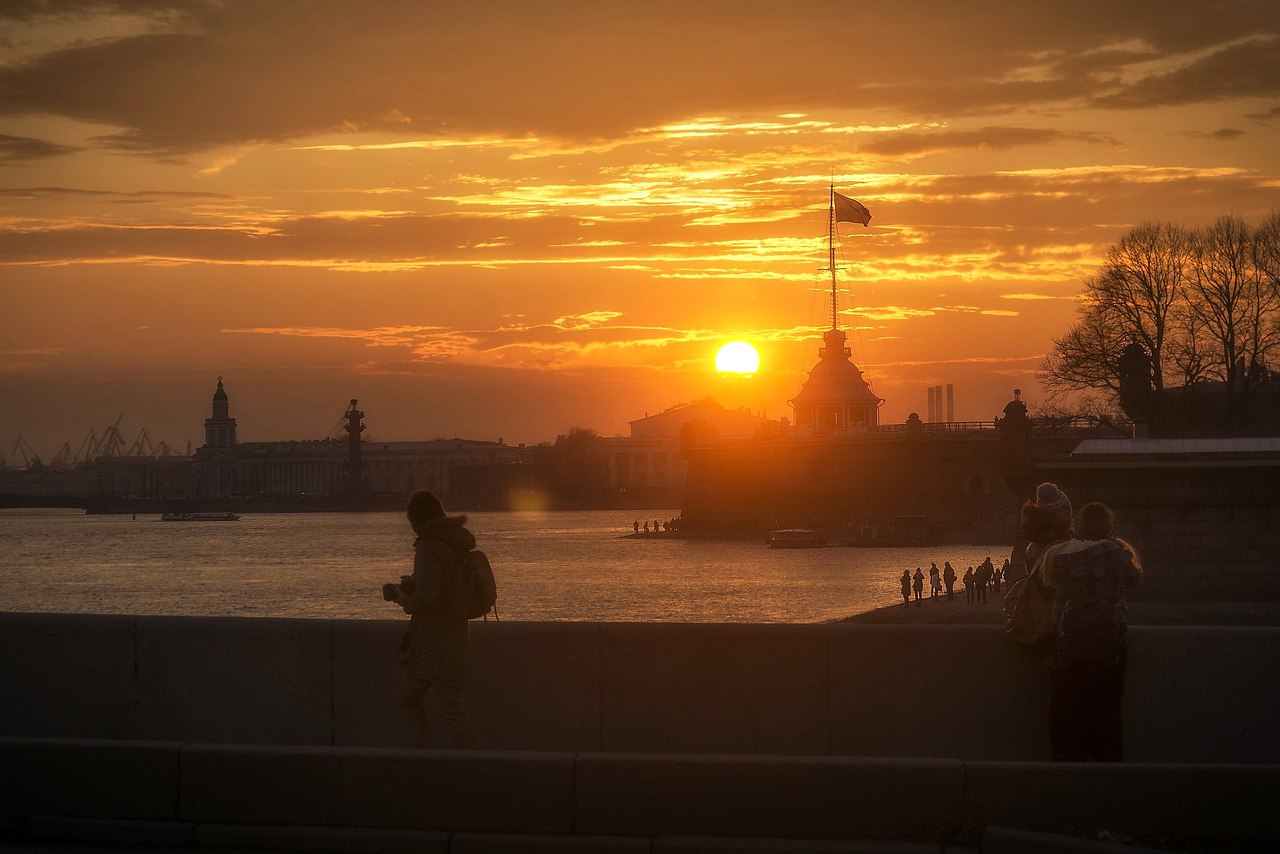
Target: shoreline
(938, 612)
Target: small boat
(796, 538)
(199, 517)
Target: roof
(836, 379)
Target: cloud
(384, 336)
(20, 149)
(1221, 134)
(987, 137)
(1246, 70)
(1265, 115)
(574, 70)
(77, 194)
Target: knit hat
(1049, 497)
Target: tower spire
(831, 247)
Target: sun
(737, 357)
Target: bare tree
(1087, 357)
(1235, 302)
(1203, 304)
(1141, 282)
(1134, 298)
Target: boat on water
(200, 517)
(796, 538)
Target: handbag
(1028, 611)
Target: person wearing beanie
(1054, 500)
(1046, 520)
(435, 649)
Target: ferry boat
(796, 538)
(200, 517)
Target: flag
(850, 210)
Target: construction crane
(164, 450)
(62, 460)
(30, 459)
(88, 447)
(142, 446)
(111, 442)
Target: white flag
(850, 210)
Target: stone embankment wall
(1194, 694)
(277, 734)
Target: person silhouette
(917, 584)
(949, 578)
(435, 649)
(906, 586)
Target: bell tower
(220, 429)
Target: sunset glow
(496, 219)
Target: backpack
(472, 591)
(1088, 633)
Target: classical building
(650, 463)
(462, 471)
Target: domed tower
(835, 398)
(220, 430)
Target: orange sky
(504, 219)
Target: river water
(564, 566)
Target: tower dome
(835, 398)
(220, 429)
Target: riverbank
(958, 612)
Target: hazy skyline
(505, 219)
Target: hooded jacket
(438, 640)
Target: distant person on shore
(905, 579)
(981, 578)
(1004, 571)
(968, 585)
(949, 578)
(435, 649)
(996, 575)
(646, 526)
(917, 583)
(635, 526)
(935, 581)
(1088, 576)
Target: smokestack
(932, 406)
(937, 397)
(951, 402)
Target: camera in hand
(406, 587)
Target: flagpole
(831, 248)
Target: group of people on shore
(660, 526)
(977, 583)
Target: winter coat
(438, 640)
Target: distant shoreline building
(459, 470)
